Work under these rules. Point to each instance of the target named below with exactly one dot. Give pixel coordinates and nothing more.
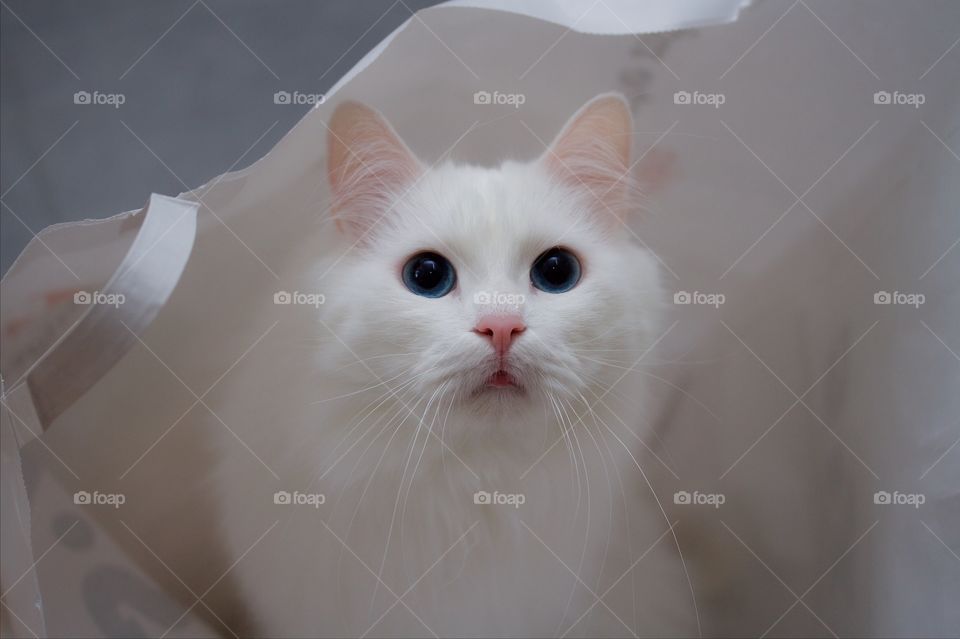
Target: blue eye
(429, 275)
(555, 271)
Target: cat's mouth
(502, 379)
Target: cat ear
(592, 153)
(368, 166)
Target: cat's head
(488, 288)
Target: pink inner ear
(593, 153)
(368, 166)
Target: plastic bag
(805, 207)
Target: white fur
(399, 441)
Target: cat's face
(488, 290)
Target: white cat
(456, 427)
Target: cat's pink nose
(501, 329)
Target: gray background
(198, 79)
